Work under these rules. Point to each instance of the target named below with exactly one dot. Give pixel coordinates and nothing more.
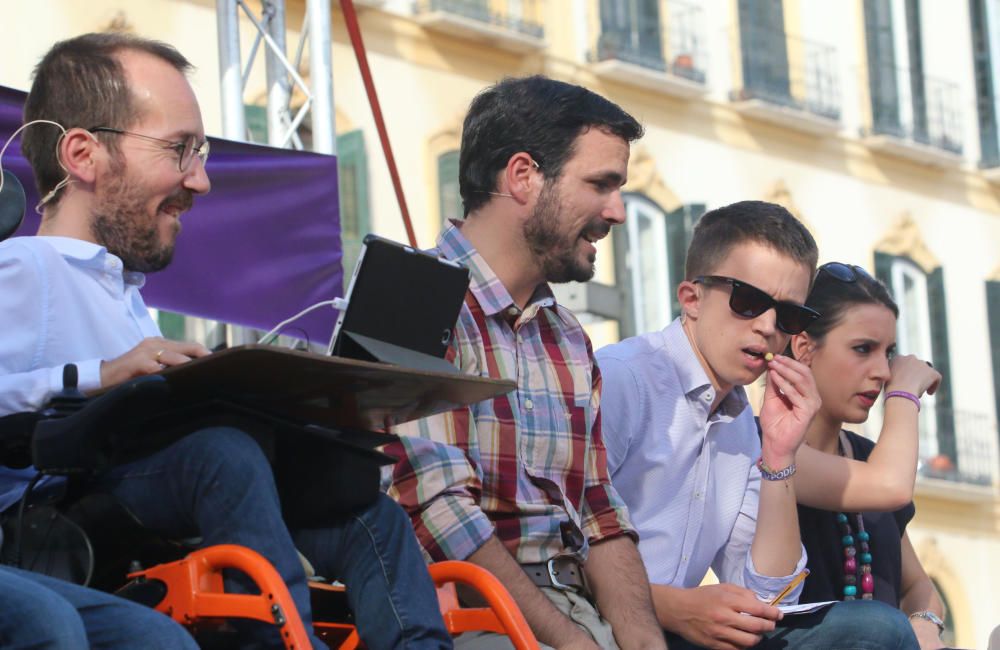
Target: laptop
(402, 306)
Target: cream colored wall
(702, 150)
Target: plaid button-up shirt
(519, 464)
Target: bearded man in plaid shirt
(519, 484)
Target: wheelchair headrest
(12, 204)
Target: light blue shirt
(62, 301)
(688, 475)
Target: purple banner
(263, 245)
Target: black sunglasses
(844, 272)
(748, 301)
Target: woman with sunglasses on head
(855, 533)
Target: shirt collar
(89, 255)
(492, 296)
(693, 379)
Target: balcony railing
(916, 108)
(640, 43)
(789, 71)
(520, 16)
(963, 450)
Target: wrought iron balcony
(632, 47)
(955, 446)
(916, 109)
(512, 24)
(965, 450)
(790, 73)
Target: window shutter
(680, 223)
(449, 196)
(764, 50)
(983, 73)
(623, 279)
(993, 311)
(172, 325)
(917, 86)
(883, 270)
(352, 183)
(937, 306)
(882, 67)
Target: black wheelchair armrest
(15, 439)
(80, 442)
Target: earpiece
(14, 195)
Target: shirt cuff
(452, 528)
(767, 587)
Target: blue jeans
(37, 611)
(216, 483)
(851, 625)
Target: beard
(120, 222)
(556, 250)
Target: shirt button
(707, 397)
(512, 311)
(528, 404)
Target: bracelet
(928, 615)
(902, 393)
(771, 475)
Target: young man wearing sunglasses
(683, 449)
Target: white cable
(336, 303)
(14, 135)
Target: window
(985, 18)
(650, 262)
(764, 50)
(922, 329)
(913, 336)
(630, 31)
(905, 103)
(449, 197)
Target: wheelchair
(77, 437)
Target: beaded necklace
(855, 551)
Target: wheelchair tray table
(326, 390)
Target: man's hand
(913, 375)
(791, 400)
(150, 356)
(720, 617)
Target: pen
(791, 585)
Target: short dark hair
(719, 230)
(832, 297)
(81, 82)
(538, 115)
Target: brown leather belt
(562, 572)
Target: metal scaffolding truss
(283, 75)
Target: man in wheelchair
(125, 160)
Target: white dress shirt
(62, 301)
(688, 475)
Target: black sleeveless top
(821, 536)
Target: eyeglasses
(844, 272)
(748, 301)
(185, 149)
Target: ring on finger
(158, 355)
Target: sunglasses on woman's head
(748, 301)
(844, 272)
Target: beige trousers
(577, 608)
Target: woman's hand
(913, 375)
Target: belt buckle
(550, 566)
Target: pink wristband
(902, 393)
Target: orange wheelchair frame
(195, 594)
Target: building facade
(874, 121)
